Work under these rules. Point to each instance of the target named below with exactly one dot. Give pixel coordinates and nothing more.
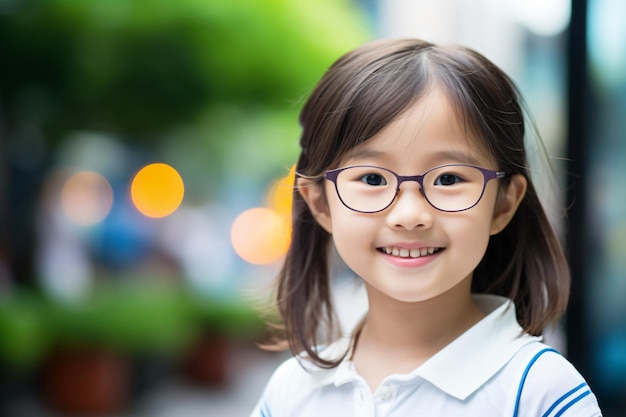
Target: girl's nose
(410, 209)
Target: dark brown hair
(360, 94)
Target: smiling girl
(413, 166)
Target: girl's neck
(399, 337)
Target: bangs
(486, 102)
(358, 96)
(385, 93)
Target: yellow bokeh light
(86, 198)
(260, 236)
(157, 190)
(280, 195)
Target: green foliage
(132, 318)
(232, 318)
(24, 337)
(135, 318)
(139, 68)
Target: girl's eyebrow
(363, 152)
(460, 156)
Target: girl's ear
(313, 194)
(507, 203)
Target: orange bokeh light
(157, 190)
(260, 235)
(280, 195)
(86, 198)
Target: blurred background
(146, 153)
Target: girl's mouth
(409, 253)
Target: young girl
(413, 165)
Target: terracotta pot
(206, 362)
(86, 381)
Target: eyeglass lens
(447, 188)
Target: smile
(409, 253)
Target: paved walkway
(251, 370)
(251, 374)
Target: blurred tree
(139, 70)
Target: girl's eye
(447, 179)
(374, 179)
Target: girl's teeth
(406, 253)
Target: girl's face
(381, 247)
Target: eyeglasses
(449, 188)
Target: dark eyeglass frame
(488, 175)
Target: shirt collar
(473, 358)
(339, 375)
(461, 367)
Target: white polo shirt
(478, 374)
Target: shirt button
(385, 393)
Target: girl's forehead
(430, 130)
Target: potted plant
(223, 323)
(90, 368)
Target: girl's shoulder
(548, 384)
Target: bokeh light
(260, 235)
(280, 195)
(86, 198)
(157, 190)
